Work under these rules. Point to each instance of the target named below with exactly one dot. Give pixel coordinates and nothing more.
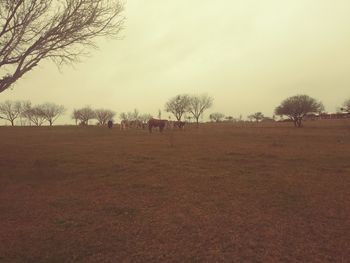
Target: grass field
(219, 193)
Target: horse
(179, 124)
(110, 124)
(154, 123)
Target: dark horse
(154, 123)
(179, 124)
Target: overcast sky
(247, 54)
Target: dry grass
(220, 193)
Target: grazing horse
(179, 124)
(154, 123)
(110, 124)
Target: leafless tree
(130, 115)
(198, 104)
(60, 30)
(124, 116)
(11, 110)
(84, 115)
(346, 106)
(258, 116)
(178, 105)
(34, 114)
(135, 115)
(216, 117)
(76, 116)
(51, 112)
(145, 117)
(103, 116)
(297, 107)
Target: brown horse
(154, 123)
(179, 124)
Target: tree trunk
(12, 122)
(299, 122)
(295, 122)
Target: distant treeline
(28, 114)
(187, 107)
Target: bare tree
(346, 106)
(145, 117)
(258, 116)
(11, 110)
(84, 115)
(130, 115)
(34, 114)
(51, 112)
(124, 116)
(35, 30)
(198, 104)
(103, 116)
(178, 105)
(76, 116)
(135, 115)
(216, 117)
(297, 107)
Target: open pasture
(219, 193)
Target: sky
(248, 55)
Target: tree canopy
(51, 111)
(198, 104)
(258, 116)
(216, 116)
(11, 110)
(297, 107)
(35, 30)
(104, 115)
(178, 106)
(346, 106)
(83, 115)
